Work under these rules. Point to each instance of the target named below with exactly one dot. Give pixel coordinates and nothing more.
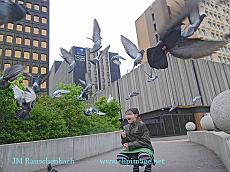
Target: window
(44, 20)
(169, 10)
(9, 39)
(43, 44)
(26, 55)
(44, 9)
(10, 26)
(43, 70)
(17, 54)
(27, 69)
(19, 27)
(1, 37)
(29, 5)
(26, 82)
(27, 41)
(6, 65)
(157, 38)
(36, 7)
(36, 19)
(27, 29)
(44, 32)
(0, 51)
(35, 56)
(43, 85)
(28, 17)
(36, 31)
(18, 40)
(153, 17)
(8, 53)
(2, 26)
(35, 43)
(34, 70)
(155, 27)
(43, 57)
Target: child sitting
(138, 150)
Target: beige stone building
(214, 26)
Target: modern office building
(101, 75)
(27, 41)
(214, 26)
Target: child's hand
(126, 146)
(123, 134)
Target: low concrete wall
(218, 142)
(17, 157)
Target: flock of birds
(173, 40)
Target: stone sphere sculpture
(190, 126)
(206, 123)
(220, 111)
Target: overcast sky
(72, 20)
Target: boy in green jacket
(137, 147)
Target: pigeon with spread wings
(179, 46)
(132, 50)
(96, 38)
(11, 12)
(25, 100)
(10, 74)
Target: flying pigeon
(109, 99)
(180, 47)
(70, 59)
(10, 74)
(11, 12)
(195, 19)
(172, 108)
(102, 54)
(115, 59)
(96, 38)
(85, 91)
(152, 76)
(196, 99)
(132, 94)
(51, 169)
(37, 81)
(59, 93)
(132, 50)
(25, 100)
(92, 110)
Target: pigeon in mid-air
(132, 94)
(172, 108)
(11, 12)
(132, 50)
(92, 110)
(87, 87)
(102, 54)
(59, 93)
(70, 59)
(152, 76)
(10, 74)
(116, 59)
(180, 47)
(196, 100)
(195, 19)
(25, 100)
(109, 99)
(51, 169)
(37, 81)
(96, 38)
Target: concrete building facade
(214, 26)
(27, 41)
